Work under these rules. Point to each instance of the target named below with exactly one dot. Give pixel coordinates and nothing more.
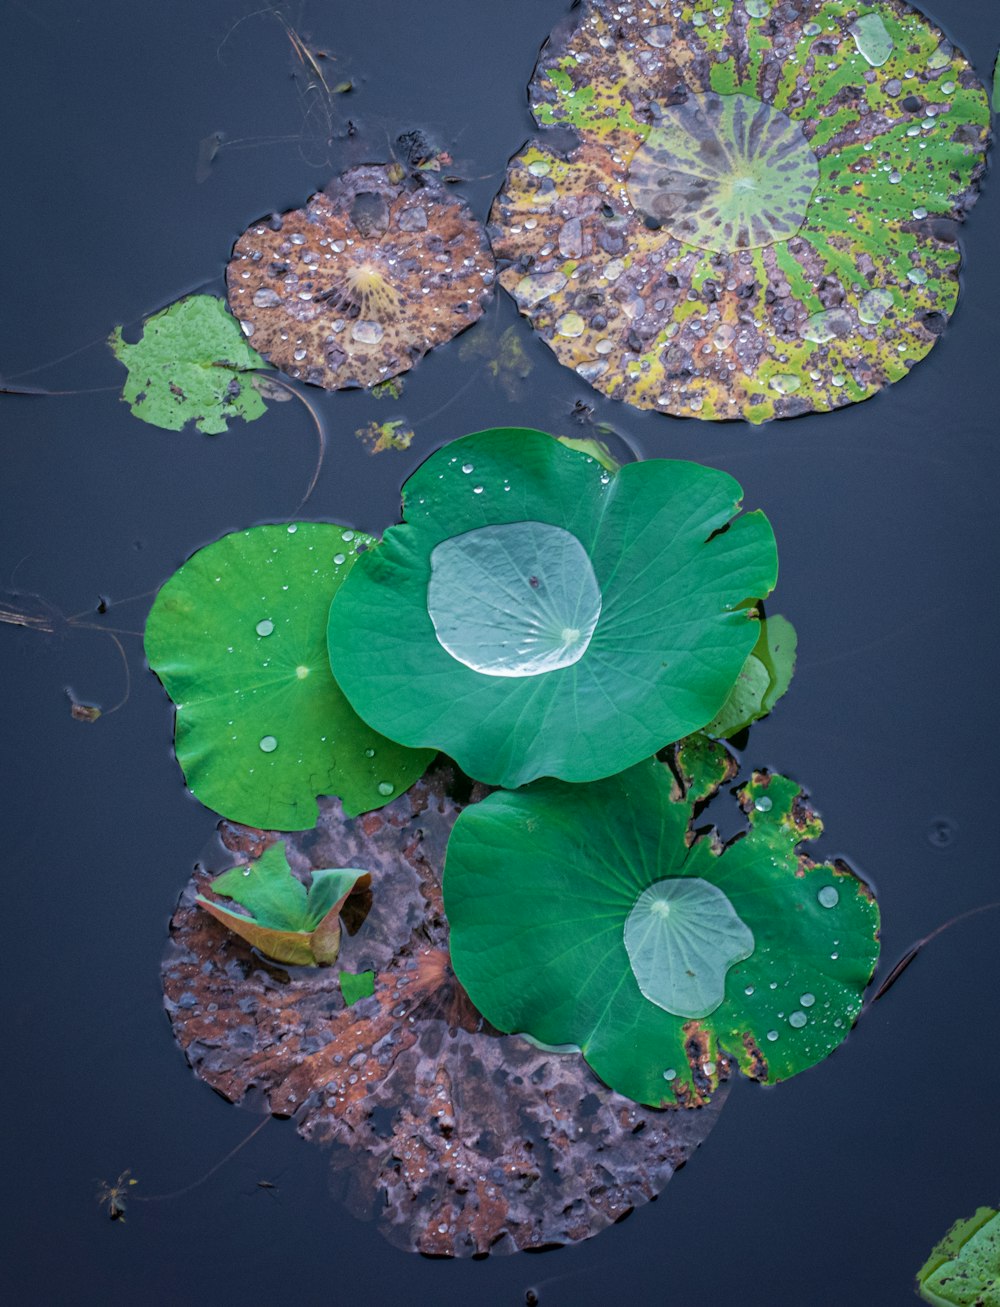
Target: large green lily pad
(191, 364)
(592, 915)
(537, 614)
(238, 638)
(964, 1268)
(759, 216)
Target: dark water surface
(829, 1189)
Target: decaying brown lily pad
(463, 1141)
(759, 216)
(369, 276)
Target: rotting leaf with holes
(458, 1140)
(538, 615)
(758, 219)
(191, 364)
(237, 636)
(287, 922)
(964, 1268)
(355, 287)
(766, 675)
(591, 914)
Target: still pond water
(828, 1189)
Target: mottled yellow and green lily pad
(759, 215)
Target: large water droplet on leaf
(873, 41)
(682, 936)
(516, 599)
(724, 172)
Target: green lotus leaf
(591, 915)
(191, 364)
(238, 638)
(964, 1268)
(758, 217)
(766, 675)
(538, 615)
(286, 921)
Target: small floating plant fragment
(758, 218)
(593, 915)
(191, 364)
(284, 920)
(459, 1140)
(537, 614)
(355, 287)
(964, 1268)
(238, 637)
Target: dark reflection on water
(831, 1188)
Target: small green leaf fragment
(963, 1270)
(595, 449)
(190, 365)
(354, 986)
(765, 677)
(380, 436)
(267, 889)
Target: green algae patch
(238, 637)
(757, 219)
(594, 915)
(538, 614)
(191, 364)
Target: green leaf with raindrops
(593, 915)
(764, 678)
(191, 364)
(964, 1268)
(238, 637)
(539, 615)
(284, 919)
(758, 217)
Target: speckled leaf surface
(964, 1268)
(543, 887)
(191, 364)
(238, 637)
(458, 1139)
(370, 275)
(759, 218)
(559, 677)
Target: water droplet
(785, 383)
(798, 1020)
(670, 1074)
(264, 627)
(293, 527)
(920, 212)
(874, 305)
(385, 788)
(758, 8)
(873, 41)
(807, 1000)
(268, 743)
(369, 753)
(834, 957)
(829, 896)
(571, 324)
(339, 558)
(539, 168)
(246, 871)
(467, 468)
(266, 298)
(302, 672)
(347, 535)
(477, 490)
(368, 333)
(763, 803)
(749, 990)
(772, 1035)
(917, 276)
(708, 1068)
